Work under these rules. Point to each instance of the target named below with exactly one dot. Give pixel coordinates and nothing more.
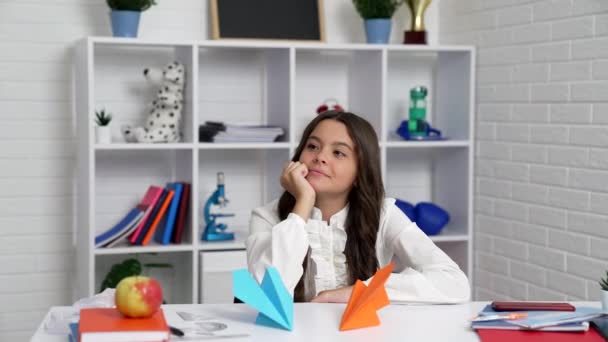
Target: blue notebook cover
(73, 336)
(125, 223)
(172, 215)
(550, 318)
(510, 325)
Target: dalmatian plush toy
(164, 118)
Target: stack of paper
(225, 133)
(248, 134)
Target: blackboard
(268, 19)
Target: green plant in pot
(604, 294)
(125, 16)
(103, 133)
(377, 15)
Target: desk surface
(320, 322)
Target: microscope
(215, 231)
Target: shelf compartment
(251, 180)
(459, 252)
(437, 175)
(123, 177)
(175, 289)
(129, 96)
(352, 78)
(216, 272)
(244, 86)
(446, 75)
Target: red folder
(490, 335)
(184, 203)
(107, 324)
(530, 306)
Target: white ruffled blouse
(423, 273)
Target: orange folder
(157, 219)
(365, 301)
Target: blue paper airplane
(271, 299)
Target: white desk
(320, 322)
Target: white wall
(37, 148)
(542, 163)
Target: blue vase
(125, 23)
(377, 31)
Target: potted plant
(604, 285)
(103, 134)
(125, 15)
(377, 16)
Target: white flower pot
(604, 301)
(103, 135)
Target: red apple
(138, 296)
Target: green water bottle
(417, 125)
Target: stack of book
(526, 325)
(222, 133)
(109, 325)
(161, 214)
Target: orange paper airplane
(365, 301)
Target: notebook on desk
(533, 316)
(107, 324)
(552, 318)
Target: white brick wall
(542, 160)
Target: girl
(332, 225)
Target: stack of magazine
(227, 133)
(577, 320)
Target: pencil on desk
(499, 317)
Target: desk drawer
(216, 274)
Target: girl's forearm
(303, 208)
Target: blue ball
(407, 208)
(430, 218)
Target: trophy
(416, 34)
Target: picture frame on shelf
(301, 20)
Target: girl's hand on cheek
(293, 180)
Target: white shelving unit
(260, 83)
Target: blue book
(131, 219)
(73, 336)
(512, 325)
(170, 224)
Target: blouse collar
(336, 219)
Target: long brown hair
(364, 200)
